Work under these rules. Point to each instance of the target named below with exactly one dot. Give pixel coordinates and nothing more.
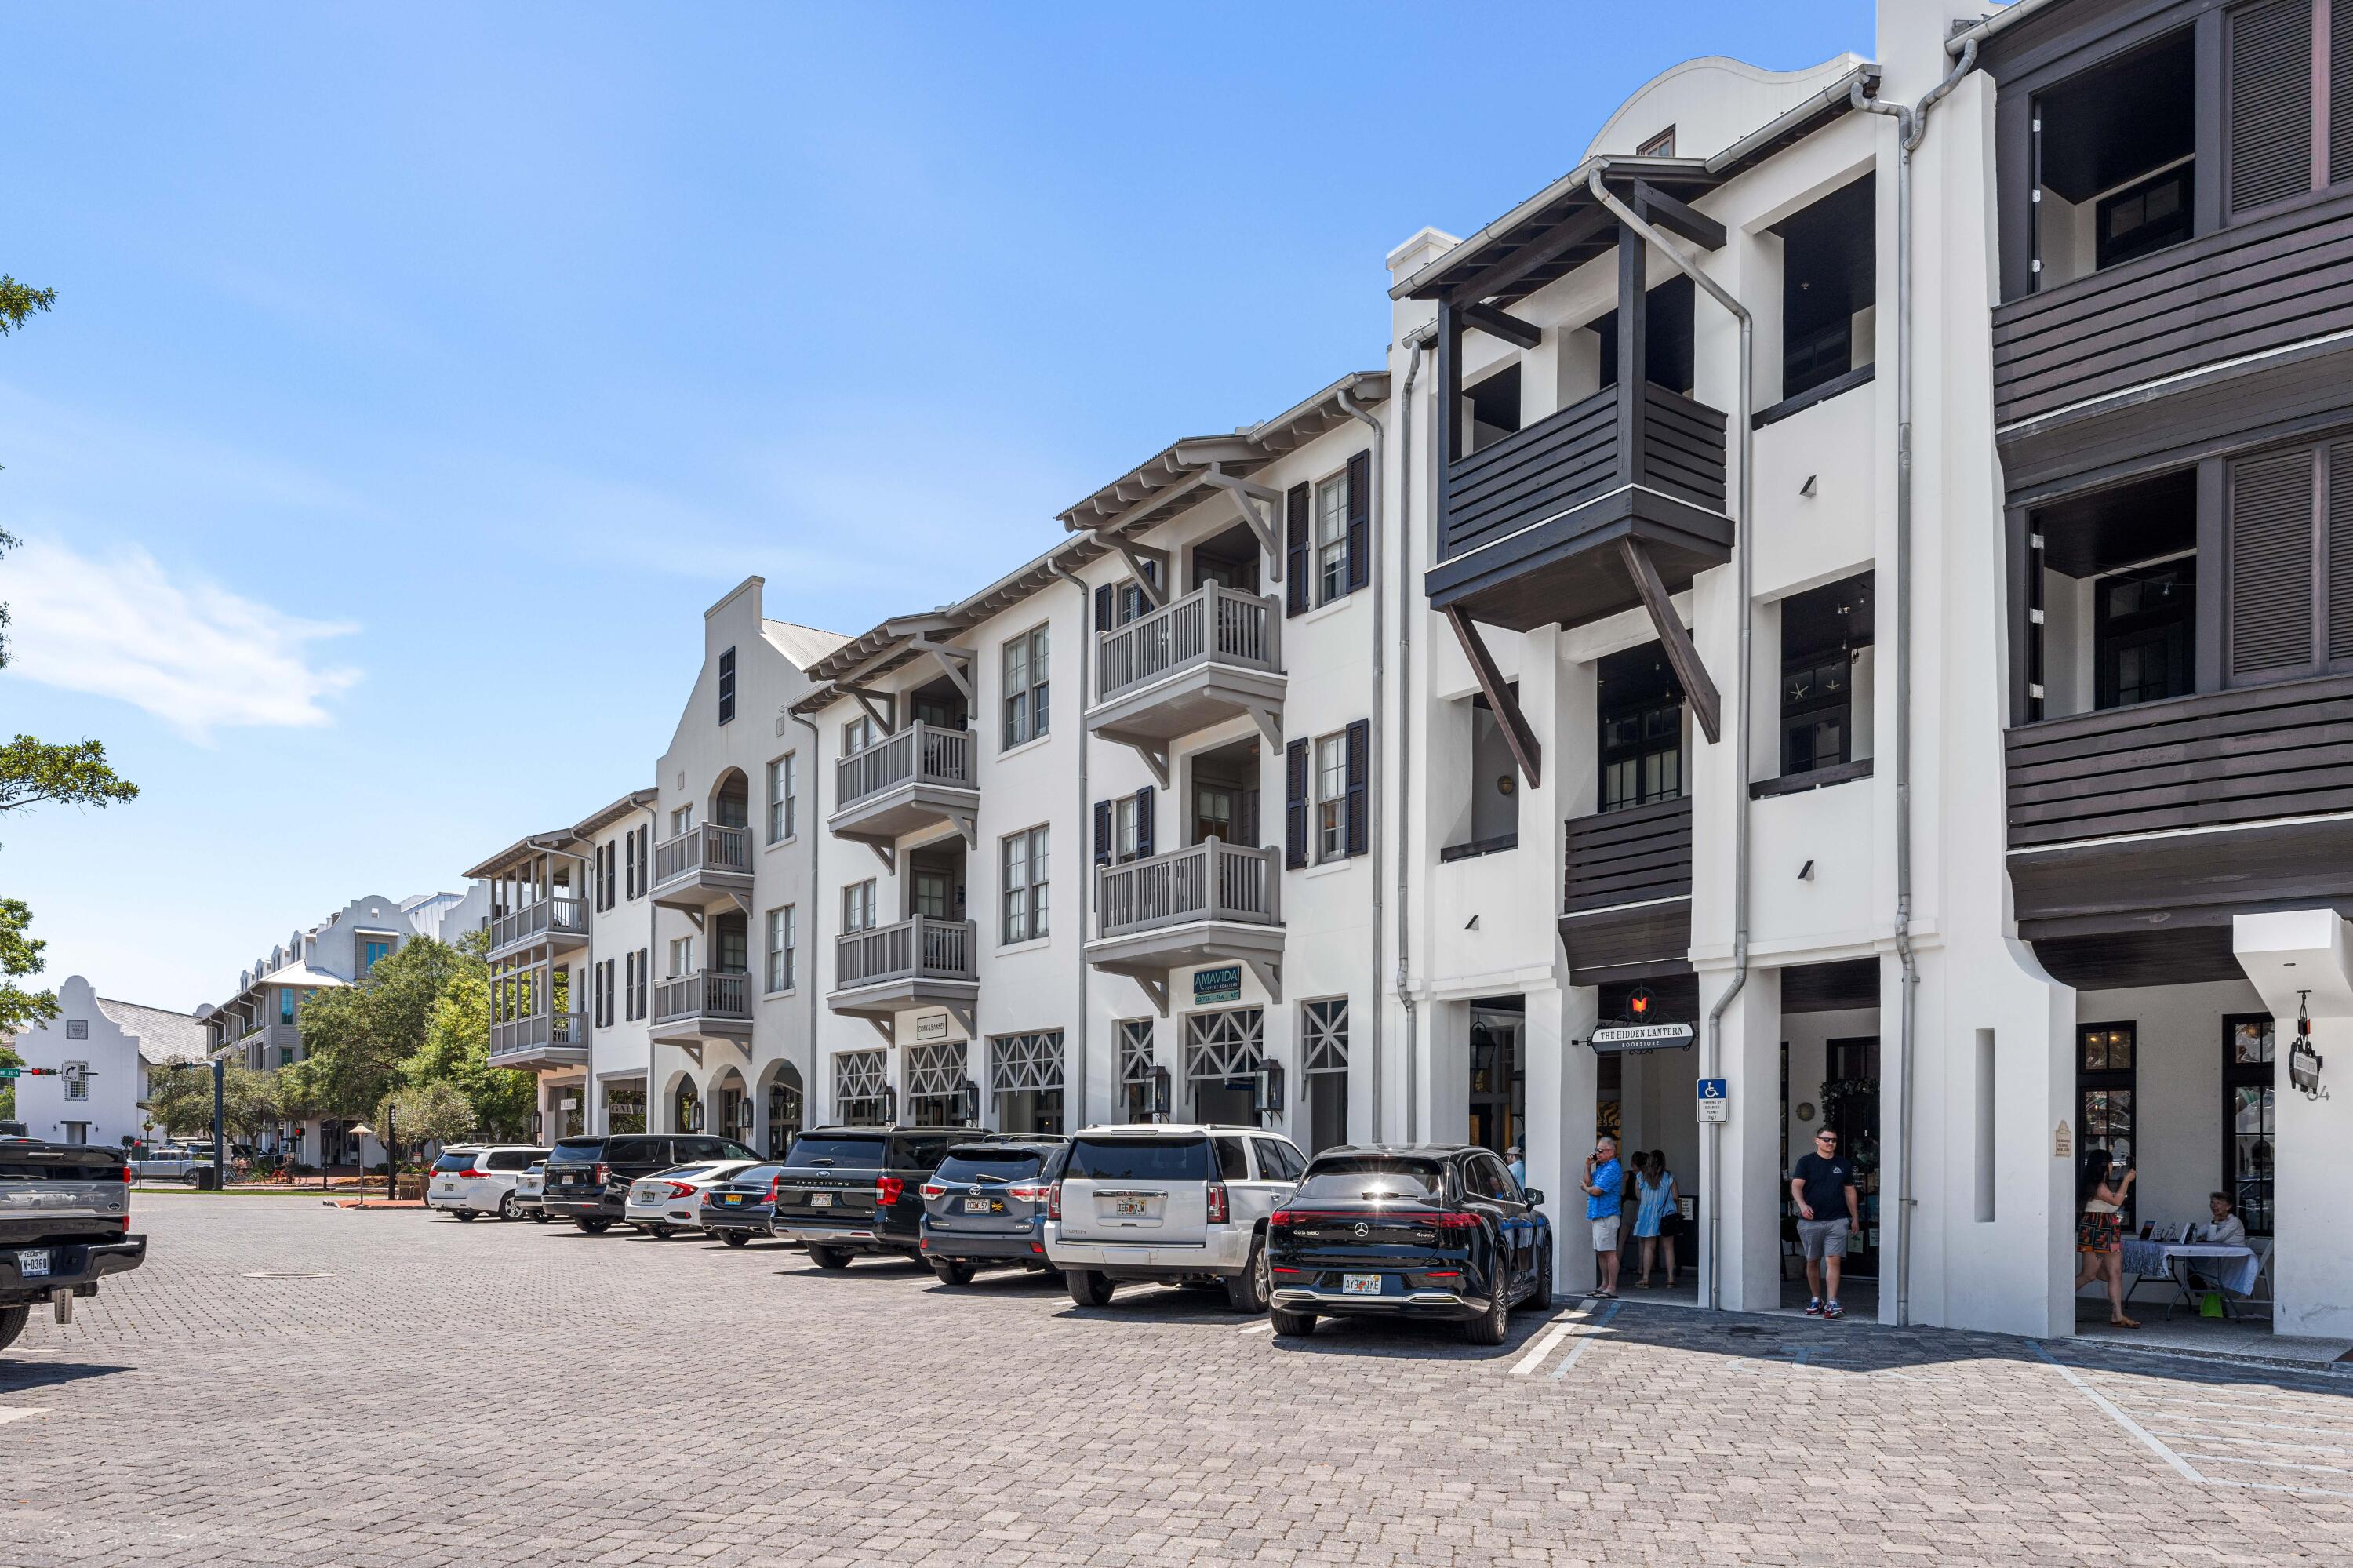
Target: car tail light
(1038, 1247)
(1217, 1203)
(604, 1173)
(934, 1191)
(1452, 1222)
(887, 1190)
(1054, 1201)
(1030, 1191)
(1280, 1269)
(680, 1190)
(470, 1171)
(774, 1183)
(126, 1176)
(1442, 1274)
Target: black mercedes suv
(1410, 1231)
(588, 1178)
(843, 1191)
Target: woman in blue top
(1655, 1196)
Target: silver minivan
(1171, 1204)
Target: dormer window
(1662, 145)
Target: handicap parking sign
(1713, 1097)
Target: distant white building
(118, 1044)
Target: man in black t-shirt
(1822, 1183)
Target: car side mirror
(1534, 1196)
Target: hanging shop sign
(1223, 983)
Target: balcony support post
(968, 824)
(1525, 751)
(882, 852)
(1157, 991)
(1258, 505)
(1707, 706)
(876, 703)
(1633, 352)
(963, 1012)
(1155, 757)
(886, 1027)
(1152, 591)
(1502, 324)
(1270, 975)
(954, 662)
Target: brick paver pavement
(285, 1384)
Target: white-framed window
(784, 797)
(1331, 799)
(1325, 1026)
(781, 951)
(681, 820)
(77, 1080)
(1332, 538)
(1026, 705)
(1123, 819)
(1025, 861)
(859, 733)
(681, 956)
(857, 905)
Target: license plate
(1127, 1206)
(1360, 1285)
(978, 1206)
(820, 1200)
(34, 1264)
(734, 1197)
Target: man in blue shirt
(1605, 1203)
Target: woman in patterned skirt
(2099, 1229)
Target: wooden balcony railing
(920, 753)
(1209, 881)
(706, 994)
(919, 949)
(1209, 625)
(2216, 759)
(566, 1031)
(557, 917)
(1635, 855)
(707, 848)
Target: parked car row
(1440, 1232)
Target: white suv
(480, 1178)
(1172, 1204)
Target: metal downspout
(1372, 791)
(816, 893)
(1712, 1046)
(1911, 124)
(1077, 1100)
(1405, 739)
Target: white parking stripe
(1546, 1338)
(1586, 1334)
(2120, 1417)
(18, 1412)
(2249, 1442)
(2339, 1471)
(1256, 1329)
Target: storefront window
(2106, 1072)
(2249, 1128)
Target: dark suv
(984, 1207)
(588, 1178)
(849, 1190)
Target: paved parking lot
(285, 1384)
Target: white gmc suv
(1169, 1204)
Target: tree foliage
(458, 1051)
(437, 1112)
(18, 301)
(180, 1098)
(359, 1041)
(37, 773)
(20, 955)
(8, 1058)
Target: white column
(1561, 1093)
(1740, 1159)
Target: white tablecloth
(2235, 1267)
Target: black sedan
(1437, 1231)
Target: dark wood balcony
(1528, 525)
(1626, 881)
(2137, 833)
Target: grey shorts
(1822, 1238)
(1605, 1233)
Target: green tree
(8, 1058)
(437, 1112)
(180, 1097)
(458, 1051)
(20, 955)
(18, 301)
(360, 1040)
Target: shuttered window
(1294, 804)
(1296, 553)
(2340, 551)
(2290, 543)
(2340, 90)
(1360, 514)
(2270, 111)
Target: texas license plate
(820, 1200)
(34, 1264)
(1127, 1206)
(977, 1205)
(1360, 1285)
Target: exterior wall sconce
(2303, 1061)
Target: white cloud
(193, 654)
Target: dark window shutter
(2271, 102)
(1106, 608)
(2340, 551)
(1103, 833)
(1294, 804)
(1359, 812)
(1295, 551)
(1360, 521)
(1144, 822)
(2271, 564)
(2340, 90)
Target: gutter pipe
(1911, 125)
(1078, 1099)
(1968, 39)
(1373, 792)
(1712, 1046)
(818, 835)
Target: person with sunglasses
(1817, 1184)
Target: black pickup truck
(843, 1191)
(65, 1225)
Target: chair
(2262, 1288)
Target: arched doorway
(785, 1112)
(730, 1107)
(730, 799)
(685, 1106)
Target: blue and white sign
(1223, 983)
(1715, 1100)
(1714, 1089)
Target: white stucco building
(117, 1045)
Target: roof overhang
(634, 801)
(1562, 226)
(522, 850)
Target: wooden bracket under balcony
(1707, 706)
(1158, 991)
(1501, 701)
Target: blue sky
(420, 373)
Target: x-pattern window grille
(934, 1069)
(1225, 1045)
(1135, 1050)
(1327, 1037)
(859, 1075)
(1026, 1062)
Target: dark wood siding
(2217, 759)
(2270, 112)
(2283, 277)
(1571, 457)
(1640, 853)
(2270, 565)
